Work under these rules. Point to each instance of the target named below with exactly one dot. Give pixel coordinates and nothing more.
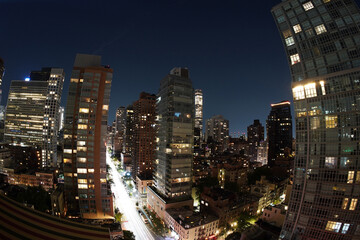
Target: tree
(245, 221)
(128, 235)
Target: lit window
(353, 204)
(289, 41)
(79, 149)
(330, 162)
(102, 180)
(74, 80)
(345, 203)
(67, 160)
(333, 226)
(81, 143)
(298, 92)
(320, 29)
(287, 33)
(295, 59)
(82, 170)
(82, 186)
(310, 90)
(326, 1)
(105, 107)
(67, 150)
(331, 121)
(322, 84)
(307, 6)
(91, 170)
(82, 126)
(84, 110)
(82, 180)
(345, 228)
(81, 159)
(351, 177)
(297, 28)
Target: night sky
(232, 48)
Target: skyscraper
(175, 139)
(279, 131)
(255, 133)
(86, 114)
(198, 129)
(32, 114)
(217, 129)
(144, 142)
(129, 131)
(322, 42)
(2, 72)
(119, 137)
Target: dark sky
(232, 48)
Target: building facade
(32, 113)
(2, 73)
(86, 189)
(144, 136)
(120, 129)
(174, 156)
(321, 41)
(279, 132)
(255, 134)
(217, 129)
(198, 129)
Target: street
(131, 217)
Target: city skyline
(224, 65)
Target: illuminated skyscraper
(2, 72)
(32, 114)
(144, 142)
(61, 118)
(119, 137)
(86, 188)
(198, 129)
(174, 157)
(322, 44)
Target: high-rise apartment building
(217, 129)
(129, 131)
(279, 131)
(175, 138)
(86, 188)
(61, 118)
(322, 44)
(198, 129)
(255, 134)
(32, 114)
(144, 142)
(119, 137)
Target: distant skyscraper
(144, 142)
(198, 129)
(61, 118)
(279, 131)
(262, 153)
(32, 114)
(129, 131)
(2, 72)
(119, 137)
(321, 40)
(217, 128)
(174, 158)
(86, 115)
(255, 134)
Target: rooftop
(189, 219)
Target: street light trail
(127, 207)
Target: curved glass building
(322, 43)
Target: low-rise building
(46, 180)
(142, 185)
(274, 215)
(58, 201)
(185, 224)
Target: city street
(131, 218)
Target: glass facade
(175, 138)
(321, 40)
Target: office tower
(33, 110)
(321, 41)
(61, 118)
(144, 141)
(119, 137)
(279, 131)
(2, 72)
(198, 129)
(129, 131)
(217, 130)
(255, 134)
(174, 157)
(86, 114)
